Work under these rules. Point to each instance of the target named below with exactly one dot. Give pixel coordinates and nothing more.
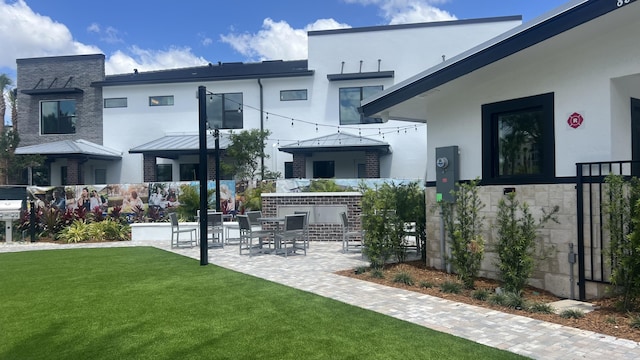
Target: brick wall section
(299, 166)
(317, 231)
(55, 72)
(372, 164)
(73, 171)
(149, 167)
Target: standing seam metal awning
(337, 142)
(175, 145)
(70, 148)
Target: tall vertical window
(518, 140)
(58, 117)
(350, 99)
(224, 111)
(161, 100)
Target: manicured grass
(145, 303)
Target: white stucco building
(143, 126)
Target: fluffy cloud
(147, 60)
(24, 34)
(408, 11)
(277, 40)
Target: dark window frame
(283, 94)
(322, 166)
(158, 172)
(361, 89)
(110, 103)
(490, 144)
(161, 100)
(225, 110)
(58, 128)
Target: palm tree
(5, 81)
(13, 102)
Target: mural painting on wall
(129, 197)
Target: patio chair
(306, 226)
(253, 219)
(410, 238)
(176, 231)
(292, 238)
(248, 234)
(350, 238)
(215, 230)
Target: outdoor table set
(287, 234)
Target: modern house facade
(523, 110)
(143, 126)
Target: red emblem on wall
(575, 120)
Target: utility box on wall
(447, 173)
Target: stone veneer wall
(552, 271)
(317, 231)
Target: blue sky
(162, 34)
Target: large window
(161, 100)
(58, 117)
(350, 99)
(323, 169)
(224, 111)
(518, 140)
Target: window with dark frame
(166, 100)
(100, 176)
(164, 172)
(224, 111)
(115, 103)
(518, 145)
(292, 95)
(324, 169)
(349, 102)
(58, 117)
(288, 170)
(189, 172)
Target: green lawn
(145, 303)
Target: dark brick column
(149, 168)
(372, 166)
(73, 172)
(299, 166)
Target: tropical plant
(77, 232)
(463, 224)
(253, 196)
(190, 201)
(245, 154)
(517, 233)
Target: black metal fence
(594, 263)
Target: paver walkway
(315, 273)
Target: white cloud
(408, 11)
(147, 60)
(25, 34)
(277, 40)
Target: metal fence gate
(594, 264)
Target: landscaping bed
(605, 319)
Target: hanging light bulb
(398, 130)
(267, 117)
(359, 132)
(316, 127)
(338, 129)
(291, 122)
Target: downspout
(261, 128)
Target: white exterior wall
(405, 51)
(593, 71)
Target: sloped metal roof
(337, 142)
(67, 148)
(174, 145)
(211, 72)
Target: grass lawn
(145, 303)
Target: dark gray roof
(336, 142)
(212, 72)
(66, 148)
(174, 145)
(564, 18)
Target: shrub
(571, 314)
(517, 232)
(480, 294)
(426, 284)
(541, 308)
(514, 300)
(634, 322)
(499, 299)
(360, 270)
(377, 273)
(463, 225)
(450, 287)
(77, 232)
(403, 278)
